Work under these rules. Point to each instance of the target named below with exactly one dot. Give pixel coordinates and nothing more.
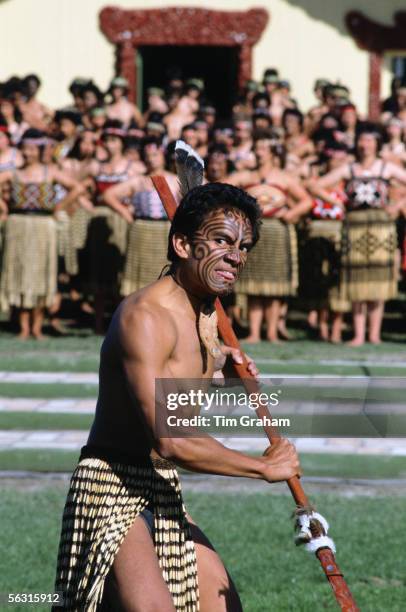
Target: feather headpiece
(189, 167)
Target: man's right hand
(282, 461)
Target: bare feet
(23, 335)
(283, 332)
(274, 340)
(355, 342)
(335, 339)
(375, 341)
(38, 335)
(252, 340)
(323, 332)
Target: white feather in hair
(189, 167)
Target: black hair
(188, 126)
(367, 127)
(337, 119)
(295, 113)
(74, 153)
(200, 201)
(220, 148)
(260, 96)
(34, 134)
(33, 77)
(114, 124)
(150, 140)
(71, 115)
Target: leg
(216, 589)
(37, 320)
(282, 330)
(99, 306)
(336, 327)
(323, 324)
(24, 322)
(272, 313)
(135, 583)
(375, 316)
(255, 316)
(312, 319)
(359, 318)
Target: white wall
(305, 39)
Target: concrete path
(73, 440)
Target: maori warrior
(127, 541)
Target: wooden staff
(325, 555)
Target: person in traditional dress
(368, 271)
(271, 275)
(78, 165)
(107, 236)
(121, 108)
(34, 113)
(127, 540)
(241, 154)
(13, 118)
(29, 267)
(139, 203)
(319, 253)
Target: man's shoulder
(144, 311)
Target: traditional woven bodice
(32, 197)
(367, 191)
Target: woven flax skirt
(368, 256)
(146, 256)
(271, 269)
(107, 241)
(103, 501)
(319, 265)
(29, 266)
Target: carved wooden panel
(129, 29)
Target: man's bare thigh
(217, 592)
(135, 582)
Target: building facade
(358, 42)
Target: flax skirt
(107, 241)
(103, 501)
(146, 256)
(319, 265)
(272, 268)
(368, 269)
(29, 262)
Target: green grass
(80, 353)
(314, 464)
(317, 351)
(44, 421)
(38, 460)
(253, 535)
(47, 390)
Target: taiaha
(312, 527)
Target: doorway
(217, 66)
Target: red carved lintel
(374, 104)
(129, 29)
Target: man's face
(219, 250)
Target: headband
(111, 131)
(38, 142)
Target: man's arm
(147, 339)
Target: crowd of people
(77, 202)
